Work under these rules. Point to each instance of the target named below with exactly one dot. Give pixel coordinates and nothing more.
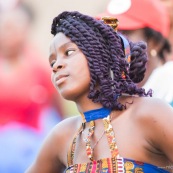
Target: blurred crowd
(30, 106)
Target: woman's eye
(69, 52)
(52, 63)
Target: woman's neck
(97, 110)
(87, 106)
(95, 114)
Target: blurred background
(29, 105)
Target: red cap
(137, 14)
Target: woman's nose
(58, 65)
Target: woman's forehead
(59, 40)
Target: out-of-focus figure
(146, 20)
(7, 5)
(29, 105)
(169, 6)
(161, 78)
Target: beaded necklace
(90, 116)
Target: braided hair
(105, 54)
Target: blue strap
(96, 114)
(126, 48)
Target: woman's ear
(153, 48)
(153, 59)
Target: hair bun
(138, 61)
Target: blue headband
(126, 48)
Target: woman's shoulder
(148, 104)
(148, 108)
(153, 118)
(52, 154)
(67, 127)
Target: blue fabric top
(113, 165)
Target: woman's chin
(68, 95)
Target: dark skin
(143, 131)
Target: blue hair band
(126, 48)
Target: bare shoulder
(67, 126)
(148, 108)
(155, 118)
(152, 112)
(149, 111)
(64, 131)
(53, 153)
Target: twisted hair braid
(104, 51)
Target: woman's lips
(60, 79)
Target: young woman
(120, 129)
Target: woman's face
(135, 35)
(70, 72)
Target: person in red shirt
(25, 85)
(29, 104)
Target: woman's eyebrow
(66, 45)
(52, 55)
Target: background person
(160, 79)
(169, 6)
(29, 106)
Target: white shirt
(161, 82)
